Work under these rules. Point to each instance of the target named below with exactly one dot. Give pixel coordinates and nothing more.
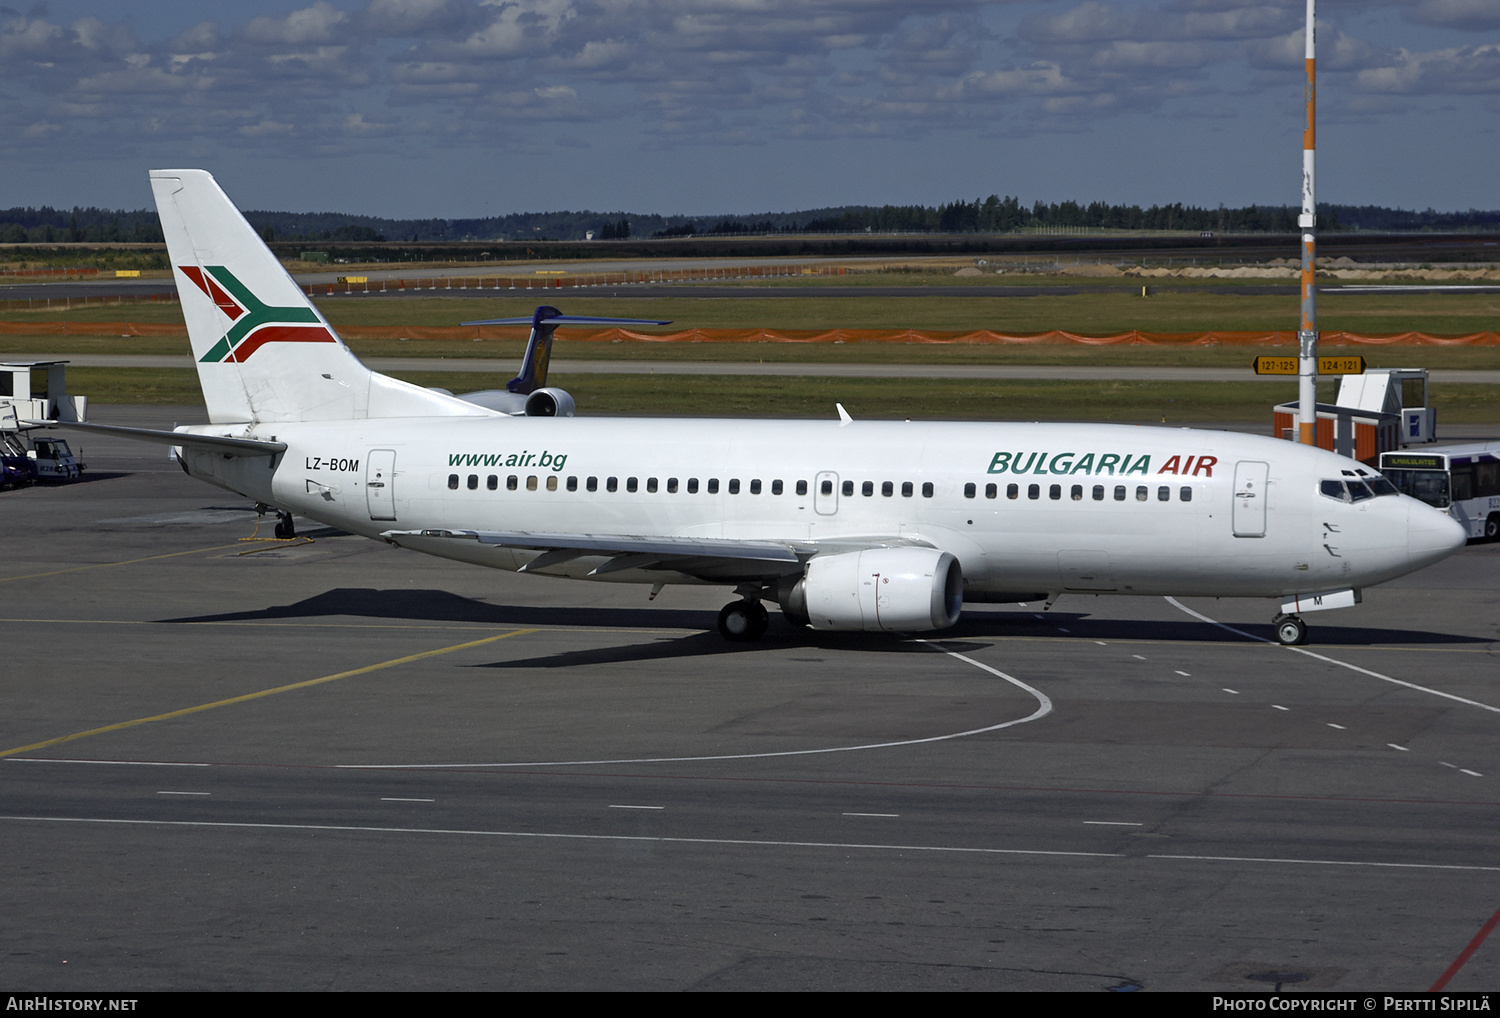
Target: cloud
(1472, 15)
(1463, 70)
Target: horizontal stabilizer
(221, 443)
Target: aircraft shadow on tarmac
(442, 606)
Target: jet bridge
(20, 400)
(1380, 410)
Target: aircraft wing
(225, 444)
(707, 558)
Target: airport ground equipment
(50, 458)
(1376, 412)
(1461, 480)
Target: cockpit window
(1359, 491)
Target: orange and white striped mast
(1307, 335)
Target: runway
(233, 764)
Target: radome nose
(1431, 534)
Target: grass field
(1171, 309)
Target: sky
(455, 108)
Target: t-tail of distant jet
(262, 350)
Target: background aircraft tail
(263, 351)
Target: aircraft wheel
(743, 621)
(1291, 631)
(285, 528)
(1492, 527)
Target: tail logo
(255, 323)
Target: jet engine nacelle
(549, 403)
(878, 590)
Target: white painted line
(1044, 707)
(112, 763)
(184, 793)
(1280, 707)
(1335, 661)
(1236, 692)
(1474, 774)
(1401, 748)
(1339, 727)
(1445, 763)
(1101, 643)
(1113, 823)
(1060, 629)
(1137, 657)
(746, 842)
(614, 806)
(1185, 675)
(392, 798)
(553, 836)
(888, 815)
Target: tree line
(995, 214)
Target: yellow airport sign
(1326, 365)
(354, 279)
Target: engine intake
(549, 403)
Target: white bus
(1464, 480)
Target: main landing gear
(743, 621)
(1291, 631)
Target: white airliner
(847, 525)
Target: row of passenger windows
(711, 486)
(866, 488)
(1076, 492)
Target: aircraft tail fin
(262, 350)
(544, 322)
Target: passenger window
(1077, 493)
(713, 485)
(531, 482)
(848, 489)
(1186, 494)
(734, 485)
(1098, 493)
(651, 485)
(551, 482)
(827, 488)
(631, 484)
(1055, 492)
(887, 489)
(969, 490)
(802, 487)
(1164, 494)
(671, 485)
(473, 481)
(1012, 491)
(453, 481)
(492, 482)
(1140, 493)
(907, 489)
(511, 482)
(1033, 491)
(926, 489)
(572, 483)
(1119, 493)
(692, 485)
(776, 487)
(611, 484)
(592, 484)
(991, 490)
(755, 485)
(868, 488)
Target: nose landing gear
(743, 621)
(285, 528)
(1291, 631)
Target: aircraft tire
(1291, 631)
(743, 621)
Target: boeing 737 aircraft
(846, 524)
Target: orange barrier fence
(1284, 337)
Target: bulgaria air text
(1099, 464)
